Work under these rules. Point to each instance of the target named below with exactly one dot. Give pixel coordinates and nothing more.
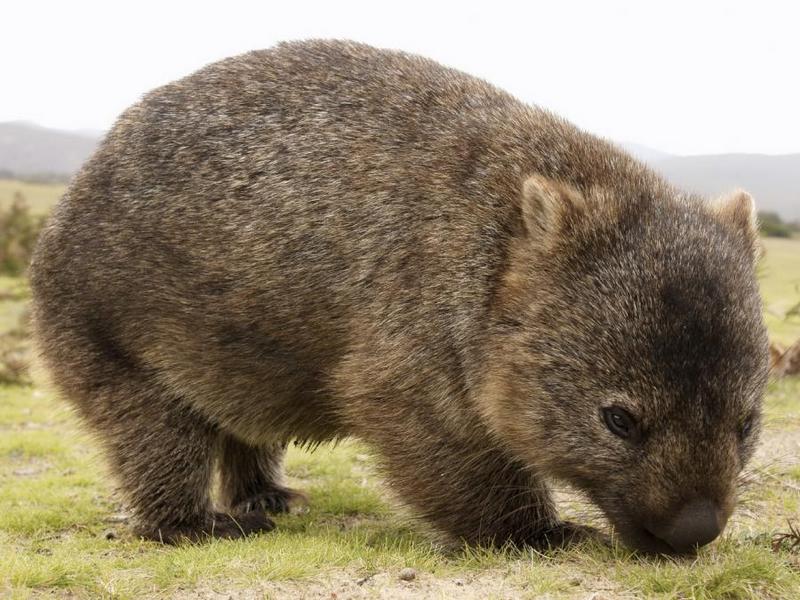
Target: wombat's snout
(696, 524)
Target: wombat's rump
(324, 239)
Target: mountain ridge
(30, 150)
(772, 179)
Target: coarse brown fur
(324, 239)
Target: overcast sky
(683, 77)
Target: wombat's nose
(697, 523)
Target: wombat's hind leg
(164, 460)
(251, 478)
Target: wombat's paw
(218, 525)
(274, 500)
(241, 525)
(567, 534)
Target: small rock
(408, 574)
(117, 518)
(26, 472)
(110, 534)
(364, 580)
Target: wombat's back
(240, 231)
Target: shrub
(771, 225)
(19, 230)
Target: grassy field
(780, 287)
(40, 196)
(63, 529)
(63, 532)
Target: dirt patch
(497, 584)
(778, 447)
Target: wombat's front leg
(444, 464)
(475, 494)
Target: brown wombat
(324, 239)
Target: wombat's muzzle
(696, 524)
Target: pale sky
(683, 77)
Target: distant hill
(774, 181)
(28, 150)
(645, 154)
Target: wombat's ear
(738, 210)
(547, 205)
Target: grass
(780, 287)
(13, 293)
(58, 505)
(62, 529)
(58, 500)
(40, 196)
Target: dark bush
(771, 225)
(18, 232)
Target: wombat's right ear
(548, 205)
(738, 210)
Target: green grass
(732, 569)
(57, 498)
(57, 502)
(780, 287)
(13, 294)
(40, 196)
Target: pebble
(26, 471)
(118, 518)
(408, 574)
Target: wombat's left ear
(739, 211)
(549, 205)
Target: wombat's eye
(620, 422)
(746, 428)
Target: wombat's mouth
(645, 542)
(693, 525)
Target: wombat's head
(632, 355)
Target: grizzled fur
(323, 239)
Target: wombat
(324, 239)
